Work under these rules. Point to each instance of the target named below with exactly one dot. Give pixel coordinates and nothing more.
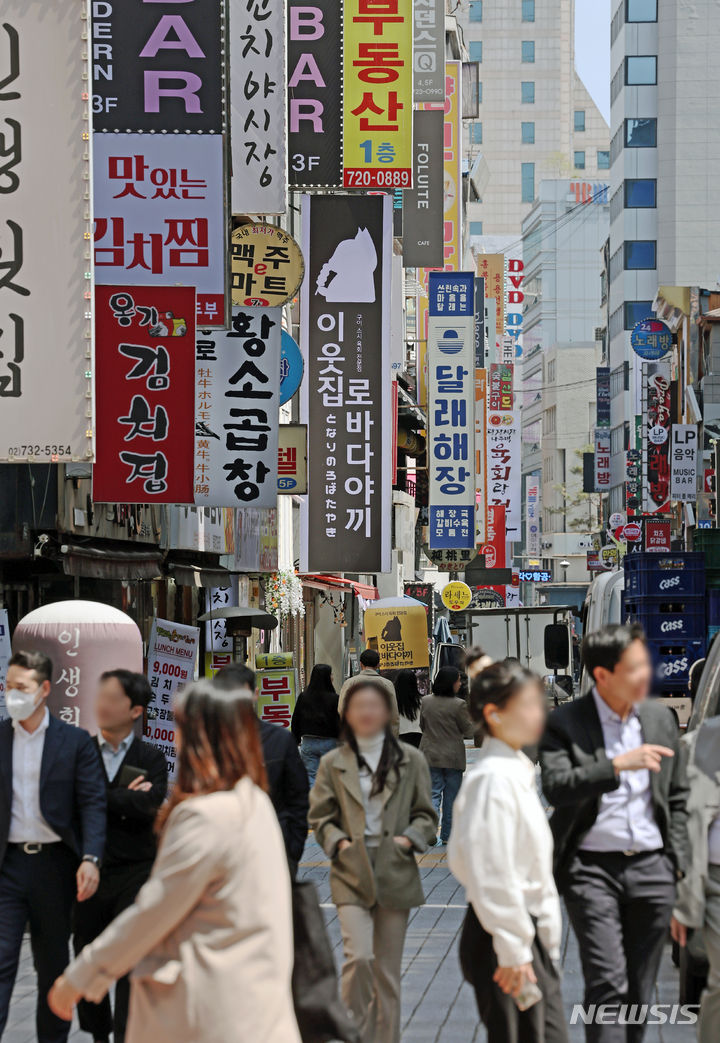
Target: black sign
(479, 330)
(423, 238)
(424, 592)
(603, 396)
(157, 66)
(314, 93)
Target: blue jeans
(445, 786)
(311, 750)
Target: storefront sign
(172, 651)
(535, 576)
(514, 298)
(292, 459)
(504, 470)
(292, 367)
(277, 695)
(5, 653)
(424, 592)
(532, 518)
(429, 51)
(494, 551)
(315, 93)
(651, 339)
(258, 98)
(491, 267)
(399, 635)
(452, 169)
(145, 394)
(237, 411)
(256, 539)
(159, 215)
(500, 387)
(209, 529)
(602, 459)
(266, 266)
(45, 287)
(422, 205)
(456, 596)
(451, 410)
(479, 323)
(657, 421)
(218, 643)
(378, 98)
(602, 391)
(480, 445)
(684, 463)
(345, 396)
(657, 536)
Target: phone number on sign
(39, 450)
(358, 177)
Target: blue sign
(451, 293)
(651, 339)
(452, 528)
(704, 525)
(291, 367)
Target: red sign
(657, 536)
(632, 532)
(145, 394)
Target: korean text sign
(144, 386)
(44, 291)
(399, 635)
(657, 422)
(277, 693)
(218, 643)
(602, 459)
(346, 392)
(491, 267)
(237, 411)
(451, 410)
(532, 519)
(172, 652)
(452, 168)
(503, 464)
(378, 98)
(429, 51)
(684, 463)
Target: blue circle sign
(291, 367)
(651, 339)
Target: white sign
(684, 463)
(5, 653)
(237, 409)
(45, 295)
(504, 478)
(602, 459)
(172, 653)
(218, 643)
(532, 519)
(159, 218)
(258, 94)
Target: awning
(361, 590)
(197, 576)
(100, 563)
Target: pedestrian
(210, 934)
(475, 661)
(445, 724)
(286, 775)
(698, 898)
(611, 771)
(316, 722)
(370, 665)
(52, 833)
(371, 810)
(135, 775)
(501, 852)
(408, 700)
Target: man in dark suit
(286, 773)
(612, 770)
(135, 775)
(52, 833)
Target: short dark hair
(40, 663)
(234, 676)
(445, 680)
(136, 686)
(496, 686)
(606, 646)
(473, 654)
(370, 658)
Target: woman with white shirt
(501, 852)
(371, 811)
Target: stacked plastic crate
(707, 541)
(666, 594)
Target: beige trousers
(373, 941)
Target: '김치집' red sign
(145, 394)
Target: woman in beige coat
(209, 938)
(371, 811)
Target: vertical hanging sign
(422, 205)
(684, 462)
(657, 422)
(532, 518)
(452, 168)
(429, 51)
(480, 450)
(602, 459)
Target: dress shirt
(27, 826)
(112, 757)
(626, 819)
(501, 851)
(371, 752)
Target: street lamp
(564, 565)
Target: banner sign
(684, 460)
(479, 323)
(399, 635)
(45, 288)
(345, 396)
(266, 266)
(145, 394)
(158, 71)
(602, 459)
(218, 643)
(159, 215)
(172, 651)
(500, 389)
(258, 100)
(422, 205)
(5, 653)
(657, 536)
(657, 415)
(504, 470)
(451, 410)
(378, 98)
(480, 449)
(532, 519)
(315, 93)
(237, 411)
(491, 267)
(495, 550)
(429, 51)
(452, 169)
(602, 385)
(292, 459)
(277, 695)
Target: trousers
(709, 1027)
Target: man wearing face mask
(52, 833)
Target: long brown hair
(219, 743)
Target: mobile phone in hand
(128, 774)
(529, 996)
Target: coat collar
(54, 742)
(346, 765)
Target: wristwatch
(91, 858)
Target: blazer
(337, 812)
(72, 787)
(445, 722)
(576, 772)
(210, 934)
(131, 813)
(288, 784)
(702, 750)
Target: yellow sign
(273, 660)
(491, 268)
(452, 168)
(266, 266)
(456, 596)
(277, 692)
(378, 94)
(400, 636)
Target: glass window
(640, 192)
(579, 119)
(476, 50)
(480, 92)
(528, 51)
(640, 254)
(476, 10)
(527, 89)
(528, 10)
(476, 133)
(603, 160)
(579, 160)
(641, 69)
(527, 173)
(636, 311)
(641, 133)
(528, 133)
(476, 228)
(641, 10)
